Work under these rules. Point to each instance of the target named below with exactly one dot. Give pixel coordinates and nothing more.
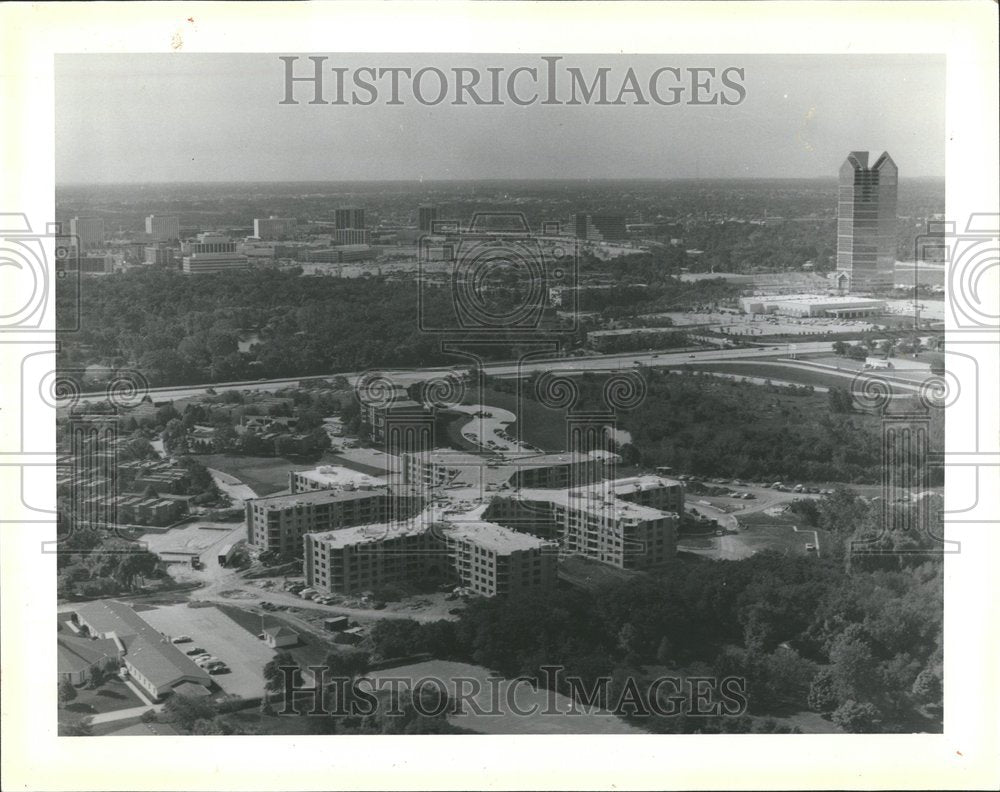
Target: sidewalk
(123, 714)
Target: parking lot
(214, 631)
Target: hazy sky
(189, 117)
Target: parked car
(182, 639)
(220, 669)
(196, 651)
(810, 547)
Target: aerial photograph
(499, 394)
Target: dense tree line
(858, 642)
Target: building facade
(279, 522)
(274, 228)
(866, 222)
(163, 228)
(426, 215)
(89, 231)
(598, 227)
(627, 523)
(484, 557)
(212, 253)
(349, 217)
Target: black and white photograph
(352, 394)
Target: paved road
(507, 369)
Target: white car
(810, 547)
(182, 639)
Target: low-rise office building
(152, 661)
(806, 305)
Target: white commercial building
(805, 305)
(163, 228)
(212, 253)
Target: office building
(153, 663)
(212, 253)
(163, 228)
(349, 217)
(89, 231)
(336, 255)
(274, 228)
(351, 236)
(160, 255)
(598, 227)
(426, 215)
(866, 223)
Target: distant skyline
(217, 118)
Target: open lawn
(496, 702)
(781, 538)
(111, 696)
(264, 475)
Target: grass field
(264, 475)
(111, 696)
(497, 702)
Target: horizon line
(832, 178)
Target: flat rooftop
(337, 477)
(374, 532)
(316, 498)
(493, 537)
(814, 299)
(598, 499)
(624, 486)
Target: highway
(529, 365)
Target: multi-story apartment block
(327, 477)
(442, 467)
(487, 558)
(492, 560)
(279, 522)
(368, 556)
(628, 523)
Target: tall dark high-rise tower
(426, 215)
(349, 217)
(866, 222)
